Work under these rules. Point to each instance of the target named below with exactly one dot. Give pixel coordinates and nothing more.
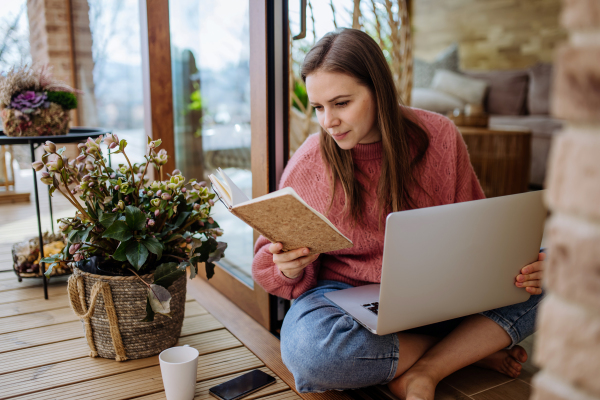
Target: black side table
(75, 135)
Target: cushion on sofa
(434, 100)
(470, 90)
(507, 91)
(540, 86)
(423, 71)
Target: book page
(221, 189)
(237, 196)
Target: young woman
(374, 156)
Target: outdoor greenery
(133, 226)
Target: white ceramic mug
(178, 367)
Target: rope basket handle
(76, 290)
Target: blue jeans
(325, 349)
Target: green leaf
(49, 270)
(168, 273)
(149, 312)
(210, 269)
(206, 248)
(218, 253)
(90, 210)
(194, 266)
(122, 144)
(181, 218)
(121, 252)
(164, 269)
(107, 219)
(119, 231)
(52, 258)
(78, 236)
(61, 150)
(135, 218)
(136, 254)
(160, 300)
(193, 271)
(172, 237)
(153, 246)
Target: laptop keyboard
(373, 307)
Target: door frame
(269, 121)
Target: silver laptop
(449, 261)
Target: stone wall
(568, 342)
(492, 34)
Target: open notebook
(282, 216)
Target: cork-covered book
(281, 216)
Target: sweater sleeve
(467, 184)
(264, 270)
(267, 275)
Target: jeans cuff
(394, 365)
(504, 324)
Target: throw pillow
(507, 91)
(434, 100)
(423, 71)
(467, 89)
(540, 86)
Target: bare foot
(414, 384)
(507, 362)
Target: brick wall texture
(568, 343)
(50, 43)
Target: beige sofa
(513, 97)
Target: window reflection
(211, 94)
(113, 92)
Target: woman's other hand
(291, 263)
(531, 276)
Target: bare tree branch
(356, 15)
(312, 17)
(396, 52)
(377, 25)
(8, 36)
(333, 13)
(407, 60)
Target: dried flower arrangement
(34, 103)
(128, 226)
(26, 256)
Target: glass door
(210, 61)
(223, 117)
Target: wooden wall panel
(492, 34)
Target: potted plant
(131, 242)
(33, 103)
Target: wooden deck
(43, 353)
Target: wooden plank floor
(44, 355)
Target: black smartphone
(241, 386)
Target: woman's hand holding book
(291, 263)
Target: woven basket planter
(104, 328)
(50, 121)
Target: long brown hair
(355, 53)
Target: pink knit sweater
(446, 174)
